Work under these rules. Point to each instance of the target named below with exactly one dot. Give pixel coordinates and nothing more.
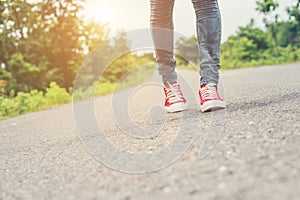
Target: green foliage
(29, 101)
(240, 48)
(126, 71)
(278, 44)
(256, 35)
(49, 37)
(111, 60)
(266, 6)
(252, 46)
(101, 58)
(43, 43)
(288, 33)
(23, 76)
(292, 33)
(56, 95)
(123, 65)
(33, 101)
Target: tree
(240, 49)
(258, 36)
(49, 35)
(267, 7)
(61, 29)
(288, 33)
(293, 26)
(23, 75)
(105, 59)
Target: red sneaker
(210, 99)
(175, 102)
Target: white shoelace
(174, 93)
(209, 91)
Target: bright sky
(134, 14)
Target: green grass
(133, 77)
(33, 101)
(285, 58)
(54, 95)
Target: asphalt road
(256, 155)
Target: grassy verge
(54, 95)
(22, 103)
(229, 61)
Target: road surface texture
(257, 154)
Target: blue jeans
(208, 34)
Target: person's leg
(209, 39)
(209, 30)
(163, 38)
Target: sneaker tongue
(208, 85)
(211, 85)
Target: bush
(287, 54)
(7, 107)
(56, 95)
(32, 101)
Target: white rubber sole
(212, 105)
(178, 107)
